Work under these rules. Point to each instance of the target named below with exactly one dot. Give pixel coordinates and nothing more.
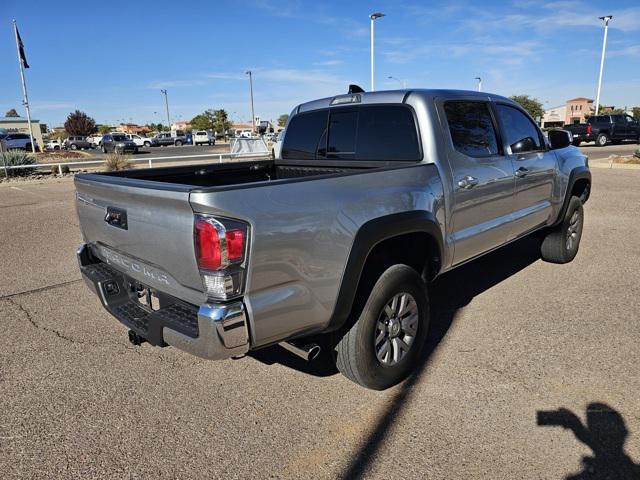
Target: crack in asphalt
(37, 325)
(41, 289)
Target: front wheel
(561, 244)
(576, 143)
(104, 149)
(73, 146)
(382, 347)
(178, 143)
(147, 144)
(602, 140)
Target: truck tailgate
(143, 232)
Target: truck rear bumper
(210, 331)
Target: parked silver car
(17, 141)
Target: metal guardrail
(148, 160)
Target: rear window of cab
(365, 132)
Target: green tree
(202, 122)
(636, 113)
(79, 123)
(283, 119)
(221, 122)
(531, 105)
(11, 113)
(104, 129)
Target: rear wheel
(381, 348)
(602, 140)
(178, 143)
(73, 146)
(104, 149)
(561, 244)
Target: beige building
(577, 108)
(554, 117)
(20, 125)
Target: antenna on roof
(353, 88)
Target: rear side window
(520, 132)
(304, 134)
(388, 133)
(471, 128)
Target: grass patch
(626, 159)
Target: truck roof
(392, 96)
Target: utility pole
(479, 83)
(604, 48)
(373, 18)
(25, 98)
(253, 113)
(166, 106)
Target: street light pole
(253, 113)
(604, 47)
(402, 82)
(166, 106)
(373, 18)
(479, 83)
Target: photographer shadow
(605, 433)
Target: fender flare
(578, 173)
(367, 237)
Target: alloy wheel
(396, 329)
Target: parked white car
(94, 140)
(53, 145)
(138, 140)
(202, 137)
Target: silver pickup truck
(375, 195)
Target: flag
(23, 58)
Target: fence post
(4, 164)
(150, 164)
(220, 158)
(60, 169)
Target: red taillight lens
(235, 244)
(208, 251)
(589, 129)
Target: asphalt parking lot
(513, 340)
(170, 151)
(601, 153)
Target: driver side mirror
(559, 139)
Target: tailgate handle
(116, 217)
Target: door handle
(522, 172)
(468, 182)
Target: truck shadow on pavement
(605, 433)
(449, 294)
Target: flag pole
(25, 98)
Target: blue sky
(111, 59)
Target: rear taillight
(589, 129)
(221, 246)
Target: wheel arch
(380, 243)
(579, 184)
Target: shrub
(13, 158)
(55, 171)
(117, 161)
(637, 154)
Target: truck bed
(223, 175)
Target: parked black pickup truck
(603, 129)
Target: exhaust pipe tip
(307, 352)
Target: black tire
(602, 139)
(56, 148)
(104, 149)
(147, 144)
(73, 146)
(576, 143)
(209, 143)
(356, 351)
(556, 247)
(178, 143)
